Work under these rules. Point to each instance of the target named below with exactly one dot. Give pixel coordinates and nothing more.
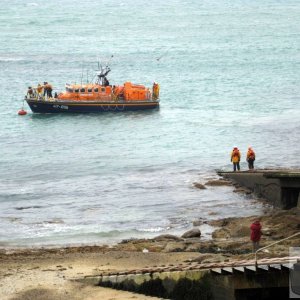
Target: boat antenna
(81, 75)
(92, 79)
(164, 54)
(87, 76)
(109, 60)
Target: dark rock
(218, 183)
(212, 213)
(220, 222)
(191, 241)
(240, 231)
(242, 190)
(195, 232)
(163, 237)
(197, 223)
(175, 247)
(125, 241)
(221, 233)
(193, 247)
(199, 186)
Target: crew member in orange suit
(235, 158)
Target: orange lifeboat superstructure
(98, 96)
(87, 92)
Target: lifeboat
(99, 96)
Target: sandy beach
(50, 275)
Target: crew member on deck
(155, 91)
(30, 92)
(49, 94)
(39, 90)
(48, 89)
(45, 88)
(105, 81)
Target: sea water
(229, 73)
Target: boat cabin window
(82, 90)
(102, 89)
(90, 90)
(76, 90)
(96, 90)
(69, 90)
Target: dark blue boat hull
(40, 106)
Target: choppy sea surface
(229, 73)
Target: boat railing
(272, 244)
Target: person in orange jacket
(47, 89)
(155, 91)
(39, 91)
(250, 158)
(235, 158)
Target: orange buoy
(22, 112)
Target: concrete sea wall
(280, 188)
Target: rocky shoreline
(48, 273)
(230, 237)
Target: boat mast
(102, 73)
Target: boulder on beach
(164, 237)
(175, 247)
(240, 231)
(194, 246)
(221, 233)
(193, 233)
(197, 222)
(199, 186)
(242, 190)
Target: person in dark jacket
(30, 92)
(255, 234)
(45, 88)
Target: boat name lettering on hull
(60, 106)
